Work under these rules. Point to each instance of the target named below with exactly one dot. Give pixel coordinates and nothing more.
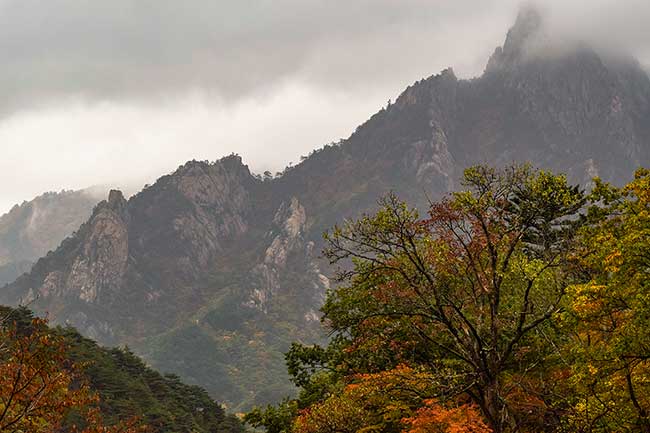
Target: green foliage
(470, 289)
(238, 350)
(610, 312)
(128, 388)
(273, 419)
(244, 362)
(471, 296)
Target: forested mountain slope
(211, 272)
(126, 387)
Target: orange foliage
(435, 418)
(389, 401)
(39, 386)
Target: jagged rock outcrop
(290, 253)
(98, 272)
(100, 261)
(571, 108)
(212, 272)
(524, 42)
(185, 219)
(144, 253)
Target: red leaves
(435, 418)
(469, 289)
(388, 401)
(39, 386)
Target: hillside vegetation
(519, 304)
(211, 272)
(55, 378)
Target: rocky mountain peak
(448, 74)
(211, 257)
(231, 164)
(522, 38)
(116, 201)
(527, 26)
(234, 163)
(114, 207)
(115, 198)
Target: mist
(119, 93)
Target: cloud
(144, 49)
(123, 145)
(124, 90)
(135, 49)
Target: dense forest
(519, 304)
(55, 380)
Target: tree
(434, 418)
(470, 292)
(611, 312)
(273, 419)
(40, 388)
(390, 401)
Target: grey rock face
(218, 204)
(289, 243)
(137, 254)
(213, 252)
(522, 41)
(103, 262)
(431, 158)
(569, 108)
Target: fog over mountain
(211, 272)
(145, 85)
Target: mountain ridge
(214, 260)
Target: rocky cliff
(211, 272)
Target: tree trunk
(492, 406)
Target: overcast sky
(122, 91)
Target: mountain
(194, 262)
(28, 231)
(211, 272)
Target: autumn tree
(470, 292)
(435, 418)
(389, 401)
(40, 388)
(611, 313)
